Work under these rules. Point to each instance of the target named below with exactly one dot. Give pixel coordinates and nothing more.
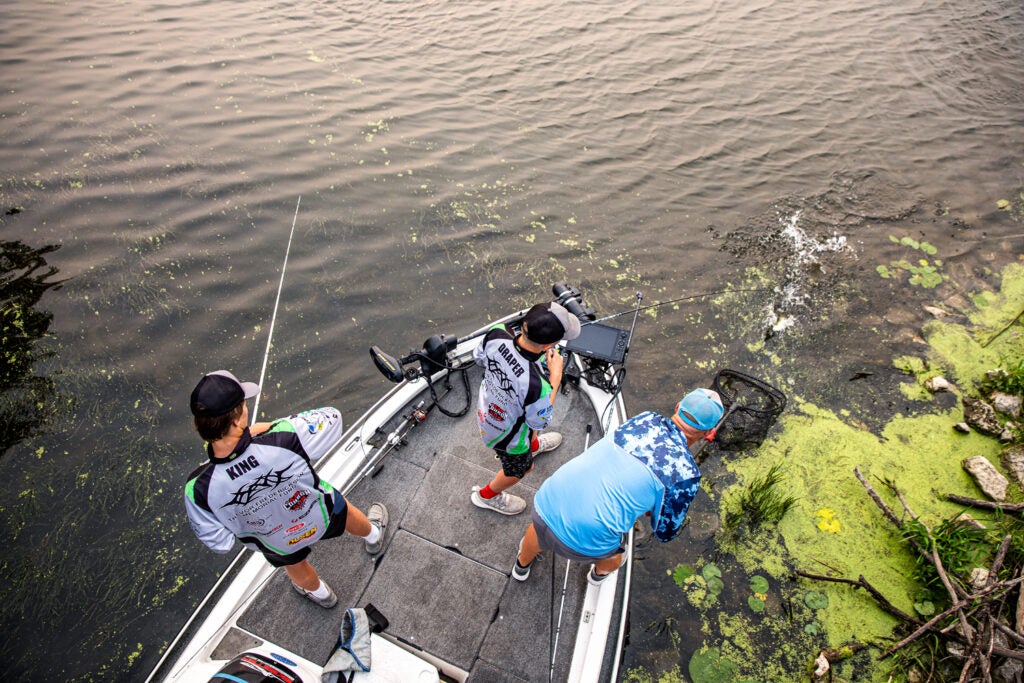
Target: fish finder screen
(600, 341)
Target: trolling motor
(571, 298)
(433, 358)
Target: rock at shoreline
(962, 427)
(937, 384)
(981, 416)
(1007, 404)
(1013, 461)
(987, 477)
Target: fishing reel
(433, 357)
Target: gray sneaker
(330, 601)
(378, 516)
(505, 503)
(548, 441)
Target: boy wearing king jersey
(259, 485)
(516, 399)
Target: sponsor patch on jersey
(303, 537)
(292, 530)
(545, 413)
(496, 412)
(297, 501)
(318, 427)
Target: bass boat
(439, 595)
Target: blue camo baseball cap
(701, 409)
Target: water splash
(803, 259)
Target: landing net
(751, 408)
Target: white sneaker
(548, 441)
(505, 503)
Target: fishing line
(255, 411)
(670, 301)
(273, 317)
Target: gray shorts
(548, 541)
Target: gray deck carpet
(443, 578)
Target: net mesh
(751, 408)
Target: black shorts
(514, 464)
(335, 528)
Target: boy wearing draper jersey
(516, 400)
(583, 510)
(259, 485)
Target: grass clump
(761, 502)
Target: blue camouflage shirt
(656, 442)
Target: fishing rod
(565, 585)
(670, 301)
(240, 558)
(273, 317)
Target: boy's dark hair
(213, 428)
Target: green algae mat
(758, 620)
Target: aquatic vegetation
(816, 600)
(960, 544)
(761, 502)
(28, 401)
(1008, 377)
(709, 666)
(759, 590)
(924, 272)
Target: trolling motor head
(571, 298)
(433, 358)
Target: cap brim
(572, 327)
(250, 388)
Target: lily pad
(812, 629)
(816, 600)
(681, 574)
(755, 603)
(758, 584)
(715, 585)
(709, 666)
(925, 608)
(711, 570)
(1003, 204)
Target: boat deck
(443, 578)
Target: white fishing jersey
(266, 493)
(515, 396)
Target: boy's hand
(555, 362)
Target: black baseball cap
(550, 322)
(218, 393)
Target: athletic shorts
(335, 528)
(517, 464)
(514, 464)
(547, 540)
